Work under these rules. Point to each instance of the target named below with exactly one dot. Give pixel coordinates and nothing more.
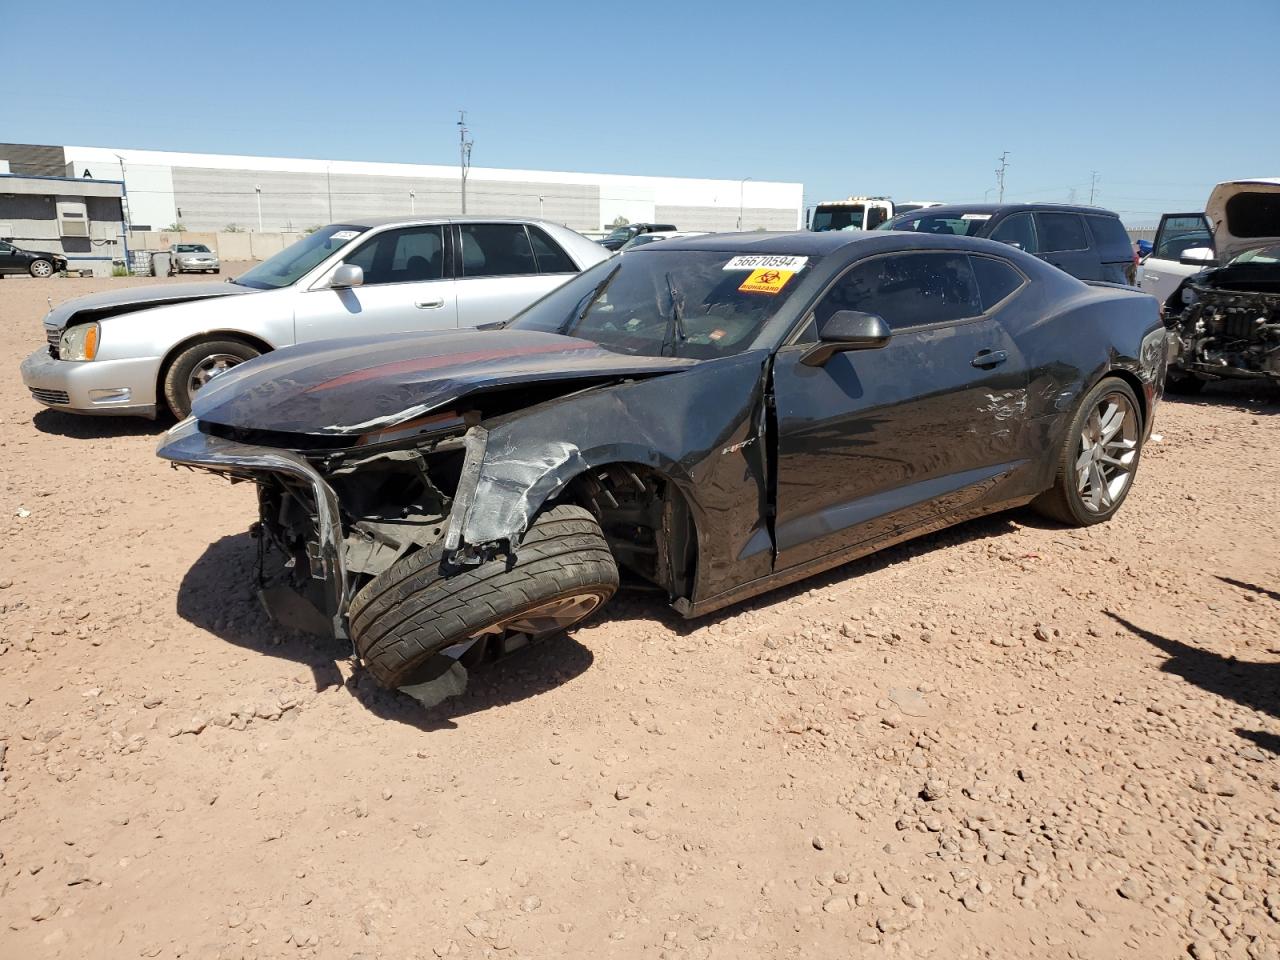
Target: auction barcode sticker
(767, 262)
(345, 234)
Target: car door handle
(989, 358)
(428, 304)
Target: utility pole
(742, 185)
(258, 190)
(1004, 164)
(1093, 186)
(464, 154)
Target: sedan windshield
(294, 261)
(947, 224)
(190, 248)
(684, 303)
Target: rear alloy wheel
(1099, 457)
(41, 269)
(196, 366)
(562, 573)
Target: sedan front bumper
(190, 266)
(106, 387)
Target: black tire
(1184, 384)
(1063, 501)
(178, 392)
(41, 268)
(418, 607)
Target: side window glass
(1017, 231)
(1179, 234)
(401, 256)
(996, 280)
(496, 250)
(906, 290)
(1060, 232)
(551, 259)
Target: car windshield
(685, 303)
(292, 262)
(1260, 255)
(619, 233)
(947, 224)
(838, 218)
(191, 248)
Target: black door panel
(878, 441)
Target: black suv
(16, 260)
(1087, 242)
(621, 235)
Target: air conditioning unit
(73, 218)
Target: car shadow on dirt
(216, 595)
(96, 428)
(1253, 396)
(1249, 683)
(653, 606)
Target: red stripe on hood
(423, 364)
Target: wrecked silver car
(1226, 320)
(709, 416)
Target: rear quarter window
(996, 280)
(1110, 236)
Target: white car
(136, 350)
(1183, 246)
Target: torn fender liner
(187, 446)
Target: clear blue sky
(915, 100)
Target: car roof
(994, 208)
(369, 223)
(803, 243)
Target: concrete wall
(228, 246)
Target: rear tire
(1098, 458)
(196, 365)
(562, 573)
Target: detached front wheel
(562, 573)
(1098, 458)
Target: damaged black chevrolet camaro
(710, 417)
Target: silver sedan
(137, 351)
(194, 258)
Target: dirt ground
(1008, 740)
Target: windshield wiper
(675, 322)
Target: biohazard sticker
(762, 261)
(766, 281)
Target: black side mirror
(847, 330)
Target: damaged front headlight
(79, 342)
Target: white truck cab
(861, 213)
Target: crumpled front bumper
(185, 445)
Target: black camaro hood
(350, 387)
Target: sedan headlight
(79, 342)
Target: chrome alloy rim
(41, 269)
(1108, 452)
(558, 614)
(210, 367)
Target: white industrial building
(209, 192)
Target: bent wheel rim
(549, 617)
(210, 367)
(1107, 453)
